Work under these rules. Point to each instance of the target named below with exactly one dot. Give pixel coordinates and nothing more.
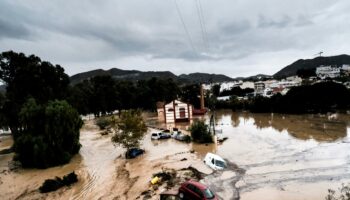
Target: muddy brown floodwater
(270, 156)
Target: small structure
(175, 111)
(327, 72)
(259, 88)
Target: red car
(193, 190)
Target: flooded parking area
(270, 156)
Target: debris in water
(54, 184)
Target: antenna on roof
(319, 54)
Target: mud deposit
(269, 157)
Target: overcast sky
(238, 38)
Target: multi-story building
(327, 72)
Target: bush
(103, 122)
(54, 184)
(200, 132)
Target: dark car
(133, 153)
(192, 190)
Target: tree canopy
(130, 129)
(44, 126)
(28, 77)
(49, 135)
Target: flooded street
(286, 156)
(270, 157)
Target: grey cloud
(91, 32)
(12, 30)
(265, 22)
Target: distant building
(346, 69)
(247, 84)
(327, 72)
(259, 88)
(175, 111)
(224, 98)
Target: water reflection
(318, 127)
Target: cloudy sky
(231, 37)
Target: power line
(185, 28)
(201, 25)
(204, 27)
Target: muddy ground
(270, 157)
(102, 170)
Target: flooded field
(270, 157)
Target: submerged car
(192, 190)
(214, 161)
(159, 136)
(181, 137)
(133, 153)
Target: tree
(28, 77)
(200, 132)
(215, 90)
(104, 95)
(191, 94)
(49, 135)
(130, 129)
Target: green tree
(191, 94)
(28, 77)
(104, 95)
(49, 135)
(130, 129)
(215, 90)
(200, 132)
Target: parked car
(214, 161)
(160, 135)
(181, 137)
(133, 153)
(192, 190)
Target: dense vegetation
(318, 98)
(44, 126)
(103, 94)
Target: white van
(214, 161)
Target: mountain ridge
(135, 75)
(311, 64)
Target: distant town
(267, 86)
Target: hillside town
(268, 86)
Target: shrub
(200, 132)
(103, 122)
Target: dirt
(270, 157)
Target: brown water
(270, 157)
(286, 156)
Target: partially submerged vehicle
(160, 135)
(193, 190)
(214, 161)
(133, 153)
(181, 137)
